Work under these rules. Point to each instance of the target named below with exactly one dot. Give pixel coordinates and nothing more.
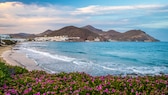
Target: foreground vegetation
(18, 81)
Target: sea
(99, 58)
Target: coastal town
(62, 38)
(84, 34)
(45, 38)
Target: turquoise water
(100, 58)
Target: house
(4, 37)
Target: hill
(45, 33)
(131, 35)
(93, 29)
(22, 35)
(91, 33)
(137, 35)
(72, 31)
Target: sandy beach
(12, 57)
(2, 50)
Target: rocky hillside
(23, 35)
(136, 35)
(47, 32)
(72, 31)
(93, 29)
(90, 33)
(131, 35)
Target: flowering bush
(41, 83)
(6, 72)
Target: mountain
(90, 33)
(136, 35)
(111, 34)
(93, 29)
(131, 35)
(45, 33)
(72, 31)
(22, 35)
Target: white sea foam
(57, 57)
(49, 70)
(108, 68)
(146, 70)
(82, 62)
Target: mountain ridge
(89, 32)
(72, 31)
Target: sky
(36, 16)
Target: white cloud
(155, 25)
(31, 18)
(18, 17)
(96, 9)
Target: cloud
(31, 18)
(155, 25)
(18, 17)
(96, 9)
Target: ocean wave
(122, 56)
(82, 62)
(148, 70)
(100, 61)
(57, 57)
(138, 70)
(79, 52)
(62, 58)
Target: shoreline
(11, 56)
(4, 49)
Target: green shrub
(4, 73)
(17, 70)
(42, 83)
(9, 42)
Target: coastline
(10, 56)
(4, 49)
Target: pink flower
(147, 80)
(26, 91)
(113, 90)
(38, 93)
(7, 93)
(70, 88)
(87, 94)
(92, 80)
(106, 90)
(52, 92)
(13, 91)
(130, 84)
(99, 87)
(30, 89)
(48, 92)
(102, 78)
(132, 90)
(90, 89)
(4, 86)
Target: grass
(18, 81)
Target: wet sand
(2, 50)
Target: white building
(18, 40)
(4, 37)
(97, 39)
(55, 38)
